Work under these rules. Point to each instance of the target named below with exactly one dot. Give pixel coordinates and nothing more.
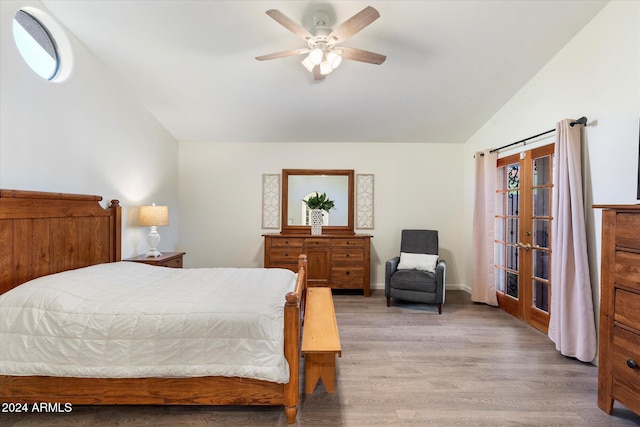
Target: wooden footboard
(36, 228)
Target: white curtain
(483, 287)
(571, 324)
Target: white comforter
(128, 319)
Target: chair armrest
(441, 275)
(390, 267)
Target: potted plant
(317, 204)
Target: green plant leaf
(319, 201)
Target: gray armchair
(416, 284)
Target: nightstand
(167, 259)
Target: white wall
(596, 75)
(416, 186)
(86, 134)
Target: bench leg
(319, 366)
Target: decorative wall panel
(364, 201)
(270, 201)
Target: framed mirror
(299, 184)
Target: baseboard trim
(451, 287)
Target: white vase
(316, 222)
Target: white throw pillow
(424, 262)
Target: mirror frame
(327, 229)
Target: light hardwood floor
(406, 365)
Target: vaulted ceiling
(450, 65)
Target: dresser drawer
(347, 277)
(627, 309)
(626, 355)
(628, 230)
(285, 255)
(348, 243)
(347, 255)
(317, 243)
(627, 269)
(174, 263)
(287, 242)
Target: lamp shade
(154, 215)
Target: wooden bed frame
(43, 233)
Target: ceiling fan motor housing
(320, 18)
(321, 32)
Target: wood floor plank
(405, 365)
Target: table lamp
(154, 216)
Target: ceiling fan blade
(354, 24)
(317, 75)
(356, 54)
(289, 24)
(282, 54)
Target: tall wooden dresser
(336, 261)
(619, 351)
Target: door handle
(523, 246)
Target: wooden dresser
(336, 261)
(619, 351)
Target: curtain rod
(580, 121)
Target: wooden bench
(320, 340)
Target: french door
(523, 235)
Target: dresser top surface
(619, 207)
(329, 236)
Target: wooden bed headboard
(43, 233)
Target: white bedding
(129, 319)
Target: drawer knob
(632, 364)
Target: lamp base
(153, 252)
(153, 238)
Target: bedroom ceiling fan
(323, 54)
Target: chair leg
(439, 308)
(388, 301)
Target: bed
(42, 234)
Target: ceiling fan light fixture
(315, 56)
(308, 64)
(334, 59)
(325, 68)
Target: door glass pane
(541, 175)
(500, 203)
(500, 178)
(513, 176)
(512, 230)
(499, 229)
(512, 257)
(512, 284)
(512, 203)
(541, 202)
(499, 280)
(541, 264)
(541, 233)
(541, 295)
(499, 254)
